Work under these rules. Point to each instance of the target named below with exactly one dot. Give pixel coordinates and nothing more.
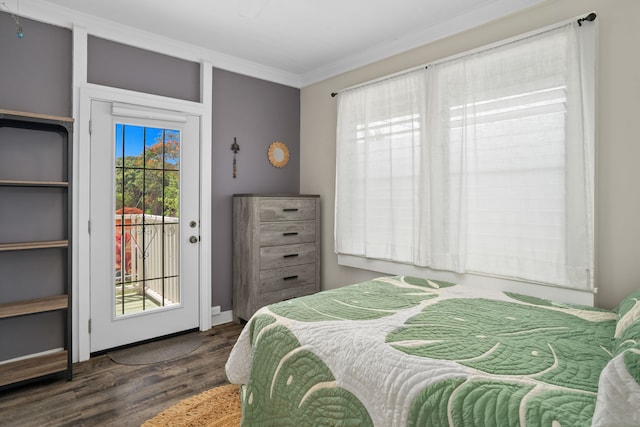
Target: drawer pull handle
(290, 234)
(290, 209)
(290, 256)
(289, 277)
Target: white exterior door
(144, 225)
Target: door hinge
(89, 227)
(90, 127)
(89, 325)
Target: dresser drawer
(287, 209)
(287, 232)
(277, 296)
(277, 279)
(287, 255)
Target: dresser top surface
(277, 195)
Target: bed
(406, 351)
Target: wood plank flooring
(104, 393)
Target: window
(479, 164)
(147, 183)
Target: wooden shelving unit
(33, 207)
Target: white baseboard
(222, 317)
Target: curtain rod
(388, 76)
(590, 18)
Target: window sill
(571, 296)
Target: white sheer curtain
(380, 169)
(480, 164)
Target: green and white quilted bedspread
(404, 351)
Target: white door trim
(206, 216)
(81, 196)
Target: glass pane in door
(146, 237)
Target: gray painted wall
(257, 113)
(126, 67)
(35, 76)
(35, 72)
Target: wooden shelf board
(34, 245)
(6, 182)
(40, 305)
(36, 115)
(33, 367)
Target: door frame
(81, 297)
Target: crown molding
(471, 19)
(44, 11)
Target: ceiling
(310, 39)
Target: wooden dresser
(276, 250)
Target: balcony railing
(148, 256)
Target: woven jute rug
(218, 407)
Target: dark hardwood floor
(104, 393)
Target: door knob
(193, 239)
